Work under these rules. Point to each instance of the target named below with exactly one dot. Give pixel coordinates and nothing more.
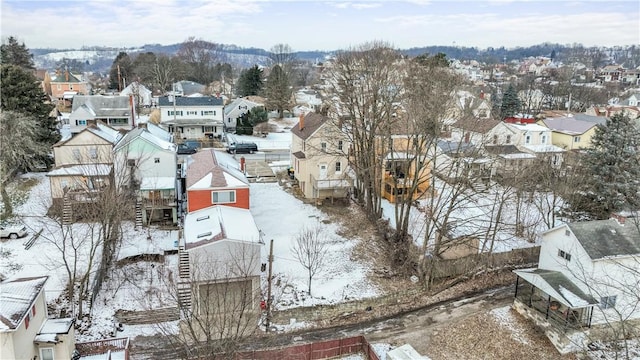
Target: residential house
(235, 110)
(27, 332)
(405, 173)
(536, 139)
(572, 133)
(219, 267)
(319, 153)
(631, 77)
(66, 82)
(610, 110)
(468, 103)
(146, 163)
(115, 111)
(192, 117)
(611, 73)
(143, 96)
(585, 284)
(461, 161)
(188, 89)
(83, 164)
(213, 178)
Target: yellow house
(25, 330)
(404, 170)
(84, 162)
(319, 157)
(572, 133)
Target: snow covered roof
(146, 135)
(247, 104)
(544, 148)
(158, 183)
(530, 127)
(219, 222)
(102, 105)
(51, 328)
(518, 156)
(557, 285)
(190, 101)
(159, 132)
(16, 298)
(207, 172)
(82, 170)
(105, 131)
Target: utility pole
(269, 285)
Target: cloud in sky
(321, 25)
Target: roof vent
(202, 218)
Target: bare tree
(200, 56)
(310, 250)
(365, 83)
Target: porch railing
(556, 313)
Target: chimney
(481, 94)
(301, 122)
(66, 76)
(619, 218)
(242, 164)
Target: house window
(46, 354)
(508, 139)
(495, 139)
(564, 255)
(543, 139)
(527, 139)
(340, 145)
(156, 160)
(567, 233)
(131, 162)
(81, 122)
(33, 310)
(323, 146)
(222, 197)
(93, 153)
(118, 121)
(338, 166)
(76, 154)
(608, 302)
(192, 112)
(207, 112)
(576, 139)
(26, 321)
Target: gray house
(115, 111)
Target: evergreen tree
(250, 119)
(610, 176)
(250, 81)
(17, 54)
(121, 72)
(278, 91)
(437, 60)
(22, 93)
(510, 103)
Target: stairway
(67, 210)
(184, 283)
(138, 214)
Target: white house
(220, 264)
(140, 92)
(145, 161)
(234, 110)
(586, 282)
(192, 117)
(115, 111)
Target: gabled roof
(103, 106)
(607, 238)
(481, 126)
(455, 147)
(568, 125)
(189, 87)
(67, 77)
(190, 101)
(312, 122)
(146, 135)
(159, 132)
(238, 102)
(99, 129)
(205, 172)
(16, 298)
(219, 222)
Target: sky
(321, 25)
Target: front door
(323, 172)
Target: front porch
(556, 305)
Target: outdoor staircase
(479, 186)
(138, 214)
(184, 282)
(67, 210)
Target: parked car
(238, 148)
(184, 149)
(12, 231)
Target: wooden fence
(473, 263)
